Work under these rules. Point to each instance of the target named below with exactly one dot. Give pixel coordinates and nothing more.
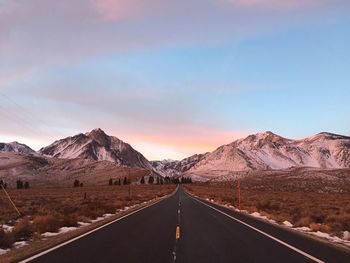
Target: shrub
(22, 230)
(320, 227)
(318, 216)
(76, 183)
(6, 239)
(19, 184)
(46, 223)
(70, 220)
(142, 180)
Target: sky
(173, 78)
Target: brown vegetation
(48, 209)
(315, 207)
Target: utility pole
(8, 196)
(129, 182)
(239, 194)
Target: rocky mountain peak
(97, 145)
(100, 137)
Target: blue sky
(169, 81)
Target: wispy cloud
(281, 4)
(43, 45)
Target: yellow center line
(177, 232)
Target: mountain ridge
(96, 145)
(16, 147)
(260, 151)
(269, 151)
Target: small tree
(76, 183)
(151, 180)
(125, 181)
(19, 184)
(142, 180)
(81, 184)
(26, 185)
(110, 182)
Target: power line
(26, 118)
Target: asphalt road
(183, 229)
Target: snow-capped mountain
(266, 150)
(97, 145)
(173, 168)
(16, 147)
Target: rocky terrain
(268, 151)
(96, 145)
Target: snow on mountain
(173, 168)
(16, 147)
(268, 151)
(97, 145)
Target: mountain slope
(264, 151)
(16, 147)
(50, 171)
(97, 145)
(174, 168)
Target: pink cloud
(115, 9)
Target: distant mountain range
(16, 147)
(268, 151)
(261, 151)
(175, 168)
(97, 145)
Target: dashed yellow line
(177, 232)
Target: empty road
(184, 229)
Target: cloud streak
(281, 5)
(46, 48)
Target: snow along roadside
(346, 234)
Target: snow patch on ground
(63, 230)
(20, 244)
(4, 251)
(66, 229)
(97, 219)
(108, 215)
(346, 234)
(287, 223)
(303, 228)
(49, 234)
(257, 214)
(83, 224)
(7, 228)
(329, 237)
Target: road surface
(184, 229)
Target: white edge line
(93, 230)
(265, 234)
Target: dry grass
(319, 210)
(48, 209)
